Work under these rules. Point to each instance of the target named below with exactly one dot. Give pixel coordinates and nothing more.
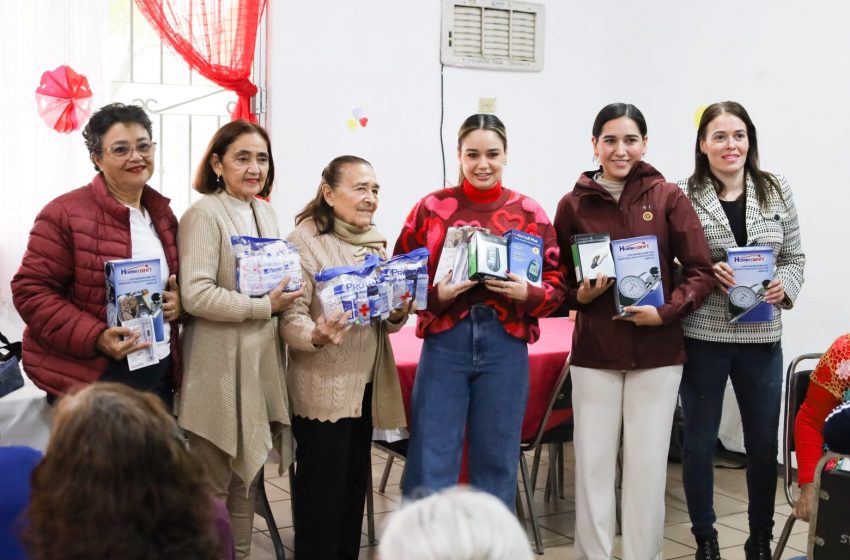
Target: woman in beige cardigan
(234, 404)
(342, 381)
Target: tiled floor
(557, 518)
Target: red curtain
(215, 37)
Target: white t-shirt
(146, 245)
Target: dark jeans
(756, 374)
(332, 468)
(473, 378)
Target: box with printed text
(753, 269)
(592, 255)
(525, 255)
(638, 272)
(134, 300)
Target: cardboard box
(488, 256)
(454, 253)
(134, 291)
(638, 272)
(525, 255)
(753, 268)
(592, 255)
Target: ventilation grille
(493, 34)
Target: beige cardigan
(327, 383)
(233, 393)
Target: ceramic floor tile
(557, 517)
(737, 553)
(277, 489)
(561, 523)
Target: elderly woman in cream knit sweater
(341, 381)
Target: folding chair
(394, 450)
(265, 510)
(796, 385)
(830, 521)
(555, 436)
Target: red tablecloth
(546, 359)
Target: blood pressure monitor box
(525, 255)
(638, 272)
(487, 257)
(753, 268)
(592, 255)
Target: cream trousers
(643, 402)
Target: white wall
(786, 61)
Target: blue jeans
(473, 377)
(756, 374)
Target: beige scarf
(387, 405)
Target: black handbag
(10, 369)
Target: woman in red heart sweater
(473, 371)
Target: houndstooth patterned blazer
(773, 226)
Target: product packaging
(592, 255)
(487, 257)
(638, 272)
(753, 268)
(346, 289)
(453, 254)
(134, 301)
(261, 264)
(406, 276)
(525, 255)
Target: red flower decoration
(64, 99)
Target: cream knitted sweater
(325, 383)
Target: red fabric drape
(215, 37)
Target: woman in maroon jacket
(60, 289)
(626, 369)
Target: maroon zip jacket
(648, 206)
(60, 289)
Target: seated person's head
(455, 524)
(118, 482)
(836, 429)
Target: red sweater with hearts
(426, 226)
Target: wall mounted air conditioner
(494, 34)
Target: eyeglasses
(122, 152)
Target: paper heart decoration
(352, 124)
(64, 99)
(360, 116)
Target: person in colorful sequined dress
(829, 388)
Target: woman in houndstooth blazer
(738, 205)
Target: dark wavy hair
(318, 208)
(117, 481)
(702, 177)
(103, 119)
(206, 181)
(481, 121)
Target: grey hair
(455, 524)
